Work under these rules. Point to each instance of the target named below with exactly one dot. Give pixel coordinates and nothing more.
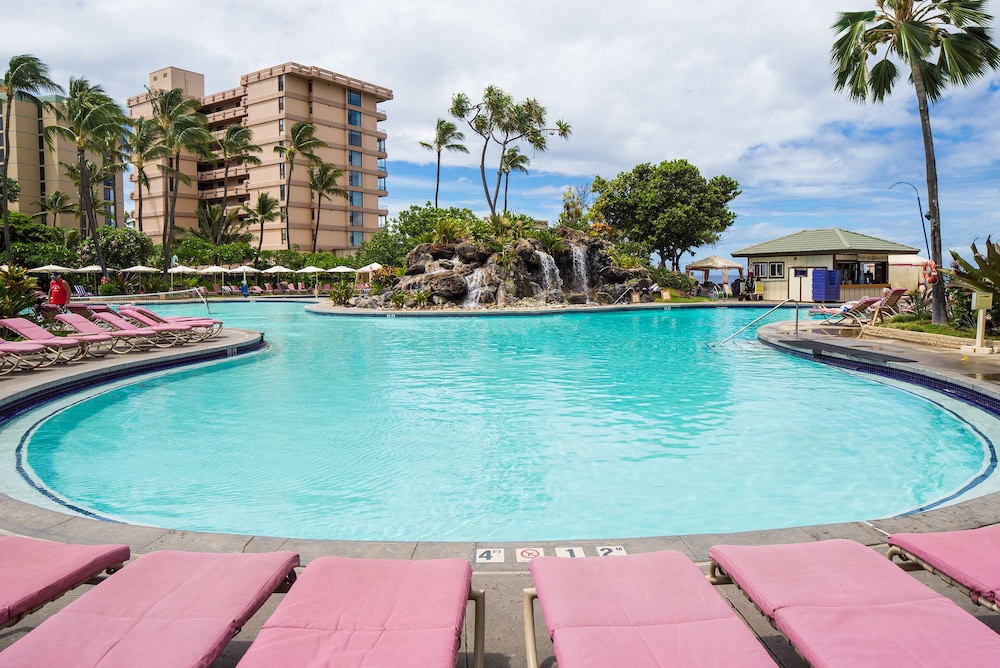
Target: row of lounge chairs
(838, 602)
(268, 289)
(863, 311)
(95, 331)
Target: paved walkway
(504, 582)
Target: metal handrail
(749, 325)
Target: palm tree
(446, 138)
(141, 148)
(56, 202)
(264, 211)
(95, 123)
(323, 183)
(941, 43)
(183, 129)
(217, 226)
(25, 79)
(513, 161)
(235, 147)
(303, 142)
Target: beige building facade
(346, 114)
(39, 168)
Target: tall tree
(323, 184)
(183, 129)
(25, 80)
(95, 123)
(940, 42)
(501, 121)
(302, 141)
(235, 147)
(218, 227)
(142, 146)
(265, 210)
(56, 202)
(446, 138)
(513, 161)
(670, 208)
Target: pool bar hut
(830, 265)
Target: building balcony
(217, 193)
(226, 115)
(219, 174)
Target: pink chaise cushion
(167, 609)
(352, 613)
(652, 609)
(971, 557)
(842, 604)
(33, 572)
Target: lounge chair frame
(911, 562)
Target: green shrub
(341, 292)
(17, 291)
(109, 290)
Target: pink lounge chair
(214, 325)
(167, 609)
(163, 336)
(644, 610)
(21, 355)
(123, 341)
(855, 314)
(842, 604)
(969, 559)
(357, 613)
(60, 348)
(193, 330)
(34, 572)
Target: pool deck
(505, 581)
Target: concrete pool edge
(25, 519)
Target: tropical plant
(670, 208)
(399, 298)
(57, 203)
(667, 278)
(302, 141)
(983, 276)
(25, 80)
(940, 42)
(182, 129)
(323, 184)
(195, 251)
(17, 291)
(265, 210)
(13, 190)
(501, 121)
(513, 161)
(217, 228)
(95, 123)
(448, 230)
(446, 138)
(142, 146)
(120, 246)
(341, 292)
(39, 254)
(422, 297)
(551, 242)
(235, 147)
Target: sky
(738, 88)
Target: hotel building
(346, 114)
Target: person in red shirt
(58, 290)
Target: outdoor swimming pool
(590, 425)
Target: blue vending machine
(826, 285)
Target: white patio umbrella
(50, 269)
(140, 269)
(369, 269)
(179, 269)
(342, 270)
(312, 270)
(91, 269)
(213, 269)
(277, 269)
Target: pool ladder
(751, 324)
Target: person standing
(58, 290)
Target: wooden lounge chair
(60, 348)
(167, 609)
(653, 609)
(34, 572)
(371, 612)
(840, 603)
(969, 559)
(848, 314)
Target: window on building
(310, 86)
(381, 221)
(284, 234)
(357, 198)
(41, 174)
(357, 238)
(760, 269)
(381, 145)
(281, 170)
(381, 183)
(281, 82)
(381, 164)
(357, 219)
(776, 270)
(354, 138)
(281, 103)
(354, 117)
(355, 179)
(281, 125)
(354, 158)
(281, 193)
(310, 106)
(109, 195)
(353, 98)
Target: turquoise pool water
(512, 428)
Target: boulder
(450, 285)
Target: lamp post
(920, 208)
